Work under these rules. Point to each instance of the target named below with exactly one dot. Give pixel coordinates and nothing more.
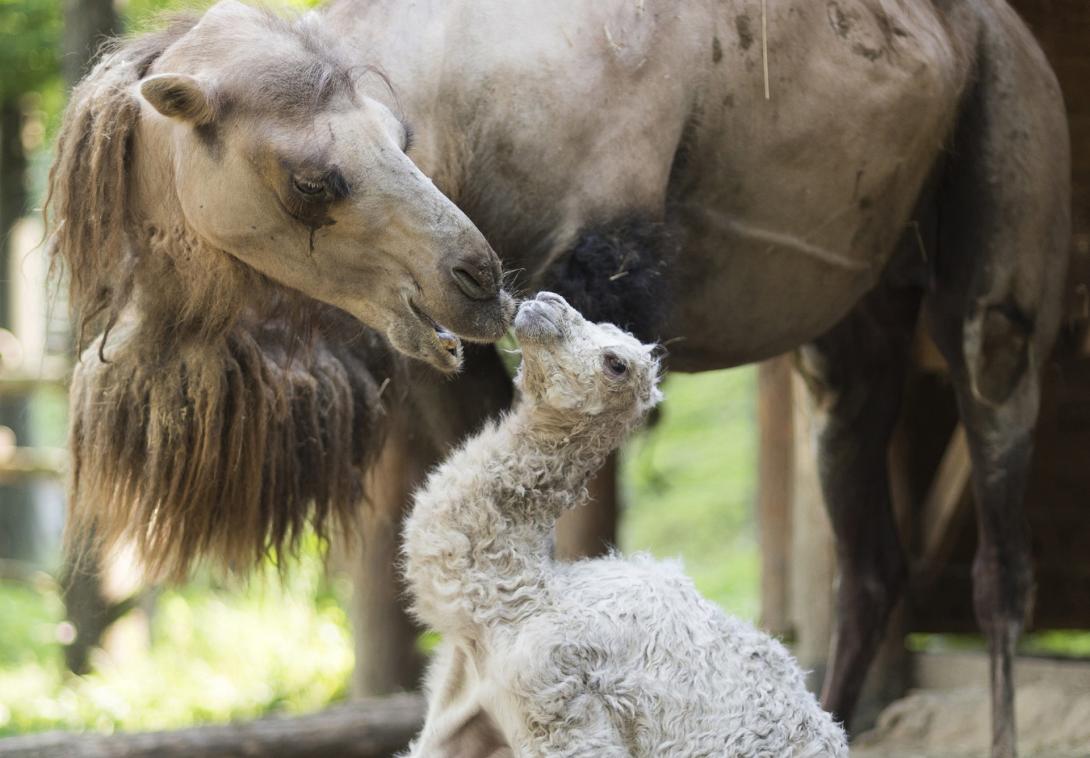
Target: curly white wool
(606, 657)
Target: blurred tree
(29, 55)
(87, 23)
(89, 606)
(29, 61)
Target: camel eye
(615, 367)
(308, 187)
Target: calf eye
(614, 366)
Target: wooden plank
(22, 572)
(24, 384)
(925, 354)
(22, 463)
(945, 506)
(775, 464)
(52, 372)
(375, 728)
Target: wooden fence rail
(372, 728)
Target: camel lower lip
(447, 339)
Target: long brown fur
(216, 414)
(225, 449)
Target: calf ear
(179, 96)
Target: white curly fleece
(608, 657)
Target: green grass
(1049, 643)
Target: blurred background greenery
(220, 651)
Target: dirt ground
(1052, 723)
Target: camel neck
(560, 451)
(478, 536)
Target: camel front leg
(856, 373)
(457, 724)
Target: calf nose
(478, 280)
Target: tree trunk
(88, 606)
(387, 658)
(87, 24)
(19, 538)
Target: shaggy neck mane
(215, 414)
(226, 448)
(477, 541)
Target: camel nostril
(480, 286)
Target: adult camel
(235, 194)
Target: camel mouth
(444, 342)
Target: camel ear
(179, 96)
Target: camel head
(250, 157)
(573, 367)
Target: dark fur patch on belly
(619, 272)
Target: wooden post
(775, 458)
(89, 585)
(813, 552)
(19, 520)
(945, 508)
(387, 659)
(591, 531)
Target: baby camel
(607, 658)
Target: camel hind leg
(994, 309)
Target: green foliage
(236, 652)
(30, 32)
(28, 619)
(1055, 643)
(689, 484)
(217, 654)
(1061, 643)
(142, 14)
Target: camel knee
(869, 593)
(998, 345)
